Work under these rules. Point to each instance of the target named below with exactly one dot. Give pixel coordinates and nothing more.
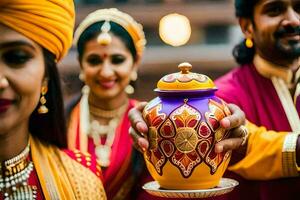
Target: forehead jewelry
(104, 37)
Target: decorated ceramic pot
(184, 126)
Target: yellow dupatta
(61, 177)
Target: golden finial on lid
(104, 38)
(185, 80)
(185, 67)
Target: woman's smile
(5, 104)
(107, 84)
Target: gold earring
(249, 43)
(43, 109)
(82, 76)
(129, 89)
(133, 76)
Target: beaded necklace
(98, 131)
(14, 175)
(89, 115)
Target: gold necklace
(97, 131)
(90, 126)
(14, 174)
(107, 114)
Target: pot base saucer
(226, 185)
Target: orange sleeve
(269, 155)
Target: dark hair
(243, 54)
(50, 127)
(244, 9)
(94, 30)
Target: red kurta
(257, 97)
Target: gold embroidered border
(287, 103)
(297, 92)
(39, 160)
(289, 164)
(86, 185)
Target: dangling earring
(43, 109)
(133, 76)
(249, 43)
(84, 110)
(82, 76)
(129, 88)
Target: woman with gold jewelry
(110, 44)
(34, 36)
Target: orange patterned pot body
(183, 130)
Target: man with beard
(267, 88)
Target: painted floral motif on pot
(183, 129)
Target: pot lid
(185, 80)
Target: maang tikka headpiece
(104, 37)
(134, 29)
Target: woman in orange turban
(34, 36)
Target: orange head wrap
(134, 29)
(49, 23)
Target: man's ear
(246, 25)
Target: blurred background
(202, 32)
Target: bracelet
(245, 134)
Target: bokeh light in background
(175, 29)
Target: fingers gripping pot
(184, 126)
